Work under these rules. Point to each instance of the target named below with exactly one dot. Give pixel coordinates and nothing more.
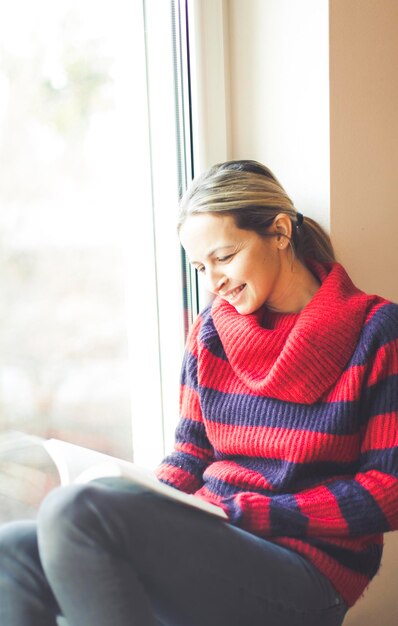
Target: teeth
(236, 291)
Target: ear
(282, 225)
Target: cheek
(271, 263)
(263, 272)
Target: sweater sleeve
(184, 467)
(363, 504)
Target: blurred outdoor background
(70, 212)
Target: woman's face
(238, 265)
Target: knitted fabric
(289, 422)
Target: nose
(215, 280)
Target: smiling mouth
(234, 293)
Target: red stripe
(281, 443)
(216, 373)
(256, 508)
(192, 339)
(205, 454)
(348, 387)
(179, 478)
(384, 489)
(323, 511)
(381, 433)
(385, 362)
(375, 308)
(238, 476)
(190, 404)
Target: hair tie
(299, 219)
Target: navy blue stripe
(214, 345)
(189, 431)
(380, 330)
(276, 472)
(299, 476)
(187, 463)
(209, 337)
(385, 460)
(286, 518)
(225, 489)
(314, 474)
(366, 562)
(338, 418)
(189, 371)
(360, 510)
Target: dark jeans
(110, 553)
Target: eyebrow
(212, 252)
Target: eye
(224, 259)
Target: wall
(280, 55)
(279, 94)
(363, 177)
(364, 140)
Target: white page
(77, 464)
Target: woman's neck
(297, 289)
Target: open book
(77, 464)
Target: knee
(74, 514)
(70, 519)
(93, 513)
(66, 509)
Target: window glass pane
(63, 333)
(79, 339)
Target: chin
(244, 310)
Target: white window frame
(204, 124)
(156, 334)
(209, 54)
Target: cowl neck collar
(300, 358)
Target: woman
(288, 422)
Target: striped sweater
(289, 422)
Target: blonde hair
(250, 193)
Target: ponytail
(312, 242)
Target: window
(94, 150)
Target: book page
(72, 460)
(77, 464)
